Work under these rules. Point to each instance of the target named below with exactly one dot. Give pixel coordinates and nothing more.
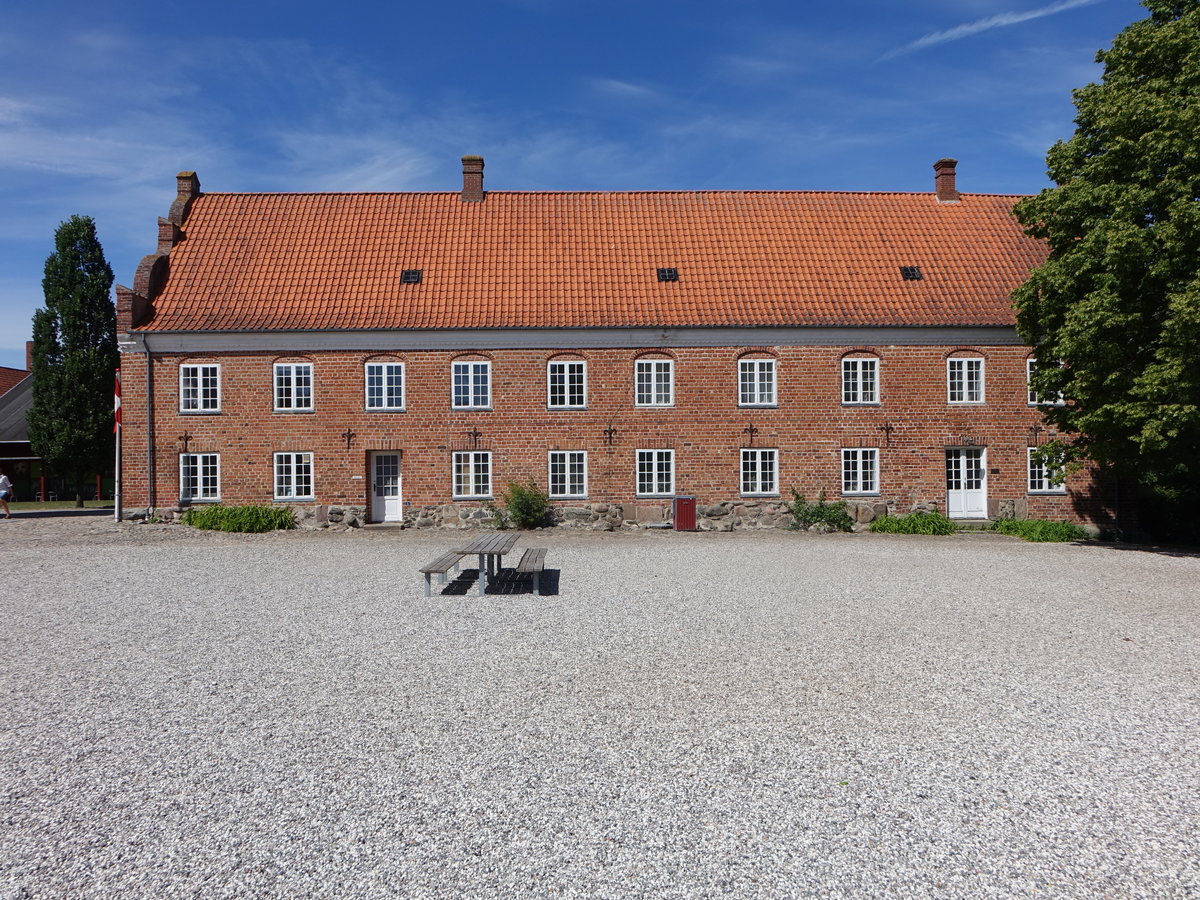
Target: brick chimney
(29, 356)
(944, 180)
(187, 187)
(472, 191)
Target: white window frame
(753, 388)
(287, 485)
(964, 364)
(755, 479)
(646, 374)
(192, 469)
(385, 366)
(1034, 399)
(860, 471)
(1040, 477)
(467, 483)
(854, 369)
(471, 369)
(569, 370)
(285, 386)
(654, 462)
(564, 477)
(197, 402)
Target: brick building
(410, 353)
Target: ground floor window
(1044, 479)
(860, 471)
(199, 476)
(293, 476)
(759, 471)
(473, 474)
(655, 473)
(568, 473)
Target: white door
(385, 488)
(966, 483)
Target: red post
(97, 485)
(42, 488)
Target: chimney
(944, 180)
(187, 187)
(472, 191)
(29, 356)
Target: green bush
(919, 522)
(806, 514)
(527, 505)
(246, 519)
(1040, 530)
(500, 517)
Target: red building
(405, 355)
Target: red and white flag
(117, 401)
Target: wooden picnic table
(490, 548)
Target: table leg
(482, 574)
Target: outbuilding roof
(516, 259)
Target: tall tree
(1118, 300)
(74, 357)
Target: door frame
(983, 483)
(372, 455)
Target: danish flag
(117, 401)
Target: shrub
(919, 522)
(1040, 530)
(246, 519)
(527, 505)
(500, 517)
(806, 514)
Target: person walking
(5, 493)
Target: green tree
(74, 358)
(1118, 300)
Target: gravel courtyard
(761, 714)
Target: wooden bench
(441, 566)
(532, 562)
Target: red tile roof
(10, 378)
(522, 259)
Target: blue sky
(103, 101)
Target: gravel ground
(753, 715)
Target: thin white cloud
(623, 89)
(1001, 20)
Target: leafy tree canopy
(1118, 300)
(74, 356)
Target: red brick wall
(705, 427)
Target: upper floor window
(860, 380)
(964, 380)
(293, 476)
(293, 387)
(472, 384)
(655, 382)
(199, 476)
(472, 474)
(566, 384)
(200, 388)
(860, 471)
(568, 473)
(756, 382)
(1031, 366)
(385, 385)
(1044, 479)
(655, 473)
(760, 471)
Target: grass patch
(1040, 530)
(36, 505)
(919, 522)
(244, 519)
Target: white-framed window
(964, 380)
(293, 387)
(566, 384)
(200, 388)
(860, 380)
(384, 385)
(654, 381)
(655, 473)
(199, 476)
(568, 473)
(473, 474)
(756, 382)
(860, 470)
(471, 384)
(760, 471)
(1035, 400)
(1044, 479)
(294, 476)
